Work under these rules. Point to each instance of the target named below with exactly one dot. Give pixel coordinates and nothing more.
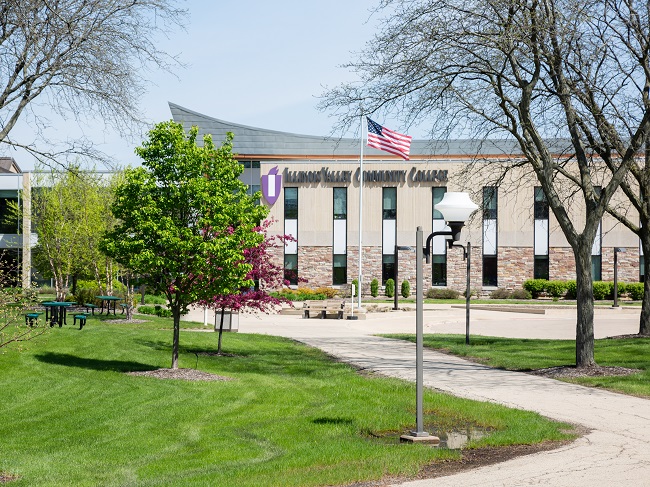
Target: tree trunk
(644, 321)
(585, 307)
(176, 313)
(220, 331)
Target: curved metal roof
(258, 142)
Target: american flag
(387, 140)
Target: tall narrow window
(438, 244)
(339, 248)
(541, 267)
(291, 228)
(597, 248)
(389, 233)
(490, 236)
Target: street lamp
(455, 209)
(616, 251)
(395, 271)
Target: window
(596, 268)
(290, 203)
(641, 268)
(490, 211)
(389, 204)
(250, 164)
(541, 267)
(387, 268)
(8, 225)
(490, 270)
(541, 204)
(439, 269)
(340, 203)
(439, 244)
(489, 203)
(339, 249)
(438, 194)
(291, 268)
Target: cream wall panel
(489, 237)
(541, 237)
(388, 246)
(340, 236)
(291, 228)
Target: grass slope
(70, 415)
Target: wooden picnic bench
(323, 308)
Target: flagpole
(360, 211)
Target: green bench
(90, 308)
(82, 320)
(31, 318)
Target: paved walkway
(615, 452)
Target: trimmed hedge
(374, 288)
(406, 289)
(390, 288)
(601, 289)
(442, 293)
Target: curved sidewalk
(615, 452)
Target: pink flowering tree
(265, 272)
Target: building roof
(264, 143)
(9, 165)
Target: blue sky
(252, 62)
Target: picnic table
(108, 300)
(55, 312)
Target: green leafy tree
(69, 213)
(184, 219)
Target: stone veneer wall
(515, 266)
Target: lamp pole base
(421, 437)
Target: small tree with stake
(264, 271)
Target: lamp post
(616, 251)
(456, 209)
(396, 272)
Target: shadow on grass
(92, 364)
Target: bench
(324, 307)
(82, 320)
(31, 318)
(123, 306)
(90, 308)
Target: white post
(205, 316)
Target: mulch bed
(571, 371)
(181, 374)
(474, 458)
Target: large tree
(76, 58)
(184, 220)
(552, 76)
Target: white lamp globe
(456, 207)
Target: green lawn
(525, 355)
(290, 416)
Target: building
(513, 236)
(15, 245)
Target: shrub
(556, 288)
(635, 290)
(602, 289)
(328, 292)
(500, 294)
(374, 288)
(147, 310)
(520, 294)
(153, 299)
(442, 293)
(356, 287)
(622, 288)
(535, 286)
(406, 289)
(390, 288)
(571, 290)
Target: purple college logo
(271, 185)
